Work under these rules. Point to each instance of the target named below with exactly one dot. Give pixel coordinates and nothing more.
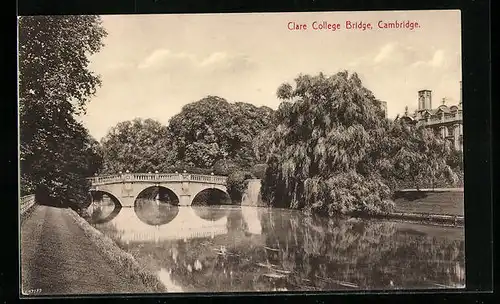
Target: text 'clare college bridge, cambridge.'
(126, 187)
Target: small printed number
(33, 291)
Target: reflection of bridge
(185, 225)
(126, 187)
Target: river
(248, 248)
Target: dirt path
(57, 258)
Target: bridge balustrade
(158, 177)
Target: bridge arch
(211, 196)
(95, 209)
(98, 195)
(158, 192)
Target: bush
(259, 171)
(237, 183)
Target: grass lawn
(443, 203)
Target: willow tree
(327, 152)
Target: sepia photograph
(241, 152)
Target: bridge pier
(185, 200)
(127, 201)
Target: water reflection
(155, 212)
(103, 208)
(150, 221)
(260, 249)
(211, 214)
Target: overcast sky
(152, 65)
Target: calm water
(228, 249)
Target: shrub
(259, 171)
(236, 184)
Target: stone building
(446, 120)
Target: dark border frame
(476, 73)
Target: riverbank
(59, 258)
(122, 259)
(429, 219)
(444, 206)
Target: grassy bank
(439, 206)
(444, 207)
(422, 218)
(125, 261)
(442, 202)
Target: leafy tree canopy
(322, 153)
(215, 133)
(140, 145)
(55, 83)
(332, 151)
(417, 156)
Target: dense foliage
(323, 155)
(213, 133)
(57, 153)
(237, 183)
(417, 156)
(334, 152)
(137, 146)
(328, 148)
(208, 136)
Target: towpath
(57, 258)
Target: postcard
(255, 152)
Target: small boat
(274, 275)
(273, 268)
(272, 249)
(268, 265)
(283, 271)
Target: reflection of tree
(210, 213)
(103, 209)
(211, 197)
(366, 254)
(154, 212)
(300, 253)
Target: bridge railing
(106, 179)
(26, 202)
(157, 177)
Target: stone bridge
(125, 188)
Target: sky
(153, 65)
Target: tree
(55, 84)
(215, 133)
(139, 146)
(236, 184)
(322, 156)
(456, 160)
(417, 156)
